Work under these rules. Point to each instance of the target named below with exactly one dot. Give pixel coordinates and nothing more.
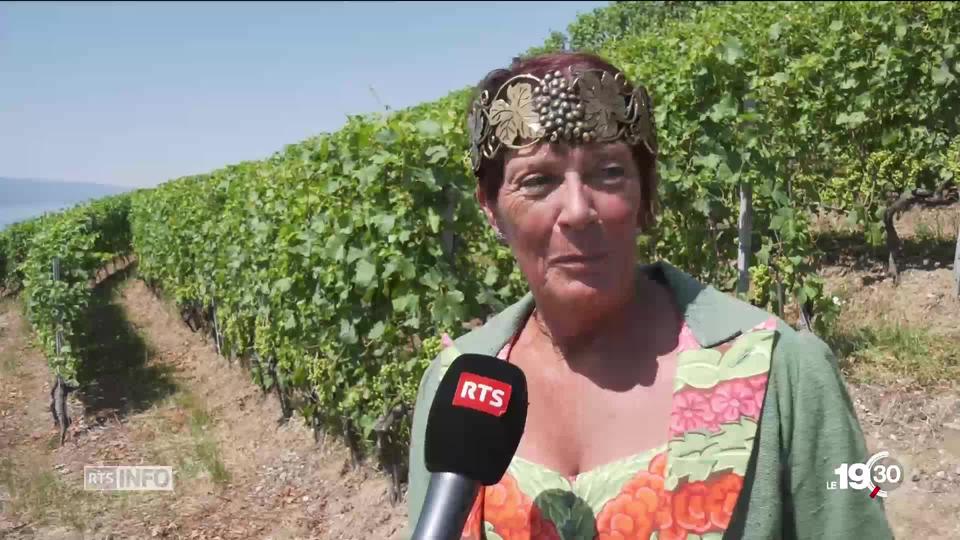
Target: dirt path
(28, 476)
(911, 426)
(238, 473)
(920, 428)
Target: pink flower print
(445, 340)
(734, 399)
(691, 411)
(759, 385)
(769, 324)
(504, 353)
(758, 382)
(687, 341)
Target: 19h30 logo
(880, 475)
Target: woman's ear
(646, 218)
(646, 212)
(487, 205)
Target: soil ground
(169, 398)
(239, 472)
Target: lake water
(14, 213)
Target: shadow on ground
(121, 379)
(852, 250)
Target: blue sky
(135, 94)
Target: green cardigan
(807, 426)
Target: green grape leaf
(365, 273)
(774, 31)
(434, 220)
(283, 285)
(437, 153)
(723, 109)
(377, 331)
(348, 333)
(732, 50)
(942, 75)
(429, 128)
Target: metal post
(56, 277)
(956, 262)
(216, 328)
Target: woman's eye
(613, 172)
(536, 181)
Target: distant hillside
(23, 198)
(24, 191)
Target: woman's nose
(577, 211)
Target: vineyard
(333, 267)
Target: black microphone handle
(446, 507)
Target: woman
(656, 405)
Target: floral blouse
(722, 472)
(686, 488)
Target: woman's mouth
(579, 259)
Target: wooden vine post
(60, 389)
(447, 236)
(956, 264)
(745, 225)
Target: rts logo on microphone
(482, 394)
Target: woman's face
(571, 215)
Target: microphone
(473, 430)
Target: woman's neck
(578, 333)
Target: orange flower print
(641, 507)
(625, 518)
(503, 506)
(658, 465)
(513, 514)
(629, 516)
(700, 507)
(723, 498)
(690, 507)
(473, 528)
(673, 532)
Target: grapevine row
(53, 261)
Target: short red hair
(490, 174)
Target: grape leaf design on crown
(515, 116)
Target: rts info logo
(482, 394)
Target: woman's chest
(575, 425)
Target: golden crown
(590, 105)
